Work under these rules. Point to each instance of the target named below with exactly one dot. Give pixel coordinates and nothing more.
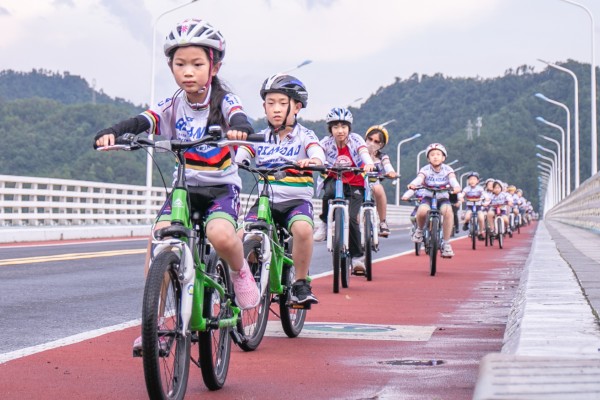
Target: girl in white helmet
(436, 174)
(342, 147)
(194, 51)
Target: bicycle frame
(338, 201)
(369, 205)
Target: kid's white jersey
(429, 177)
(173, 118)
(300, 143)
(472, 193)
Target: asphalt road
(54, 290)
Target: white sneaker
(358, 266)
(417, 236)
(320, 233)
(447, 251)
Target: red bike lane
(404, 335)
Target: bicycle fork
(374, 225)
(330, 223)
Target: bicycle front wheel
(292, 319)
(253, 322)
(338, 248)
(165, 351)
(500, 230)
(215, 343)
(473, 232)
(434, 245)
(368, 232)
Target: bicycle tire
(338, 248)
(166, 372)
(292, 319)
(253, 322)
(368, 232)
(215, 344)
(500, 230)
(434, 245)
(473, 229)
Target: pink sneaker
(163, 342)
(246, 291)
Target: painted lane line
(71, 256)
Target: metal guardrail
(581, 208)
(33, 208)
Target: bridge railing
(581, 208)
(33, 208)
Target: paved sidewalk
(552, 341)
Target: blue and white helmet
(338, 114)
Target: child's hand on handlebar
(105, 140)
(236, 135)
(368, 167)
(305, 162)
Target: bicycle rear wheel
(253, 322)
(338, 248)
(434, 245)
(292, 319)
(165, 351)
(215, 343)
(368, 232)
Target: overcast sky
(356, 46)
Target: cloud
(4, 11)
(133, 17)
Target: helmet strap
(283, 126)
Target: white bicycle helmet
(436, 146)
(195, 32)
(339, 114)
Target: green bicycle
(188, 295)
(268, 248)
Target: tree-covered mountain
(48, 121)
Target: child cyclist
(287, 141)
(376, 138)
(473, 193)
(436, 174)
(195, 50)
(344, 148)
(498, 200)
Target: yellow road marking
(72, 256)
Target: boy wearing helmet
(473, 194)
(499, 200)
(376, 138)
(436, 174)
(195, 50)
(286, 141)
(342, 147)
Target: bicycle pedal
(299, 306)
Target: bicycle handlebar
(214, 136)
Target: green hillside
(48, 120)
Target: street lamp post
(593, 88)
(561, 163)
(419, 160)
(150, 151)
(452, 163)
(302, 64)
(565, 160)
(552, 167)
(400, 143)
(568, 151)
(575, 124)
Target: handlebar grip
(256, 137)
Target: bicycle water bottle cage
(176, 231)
